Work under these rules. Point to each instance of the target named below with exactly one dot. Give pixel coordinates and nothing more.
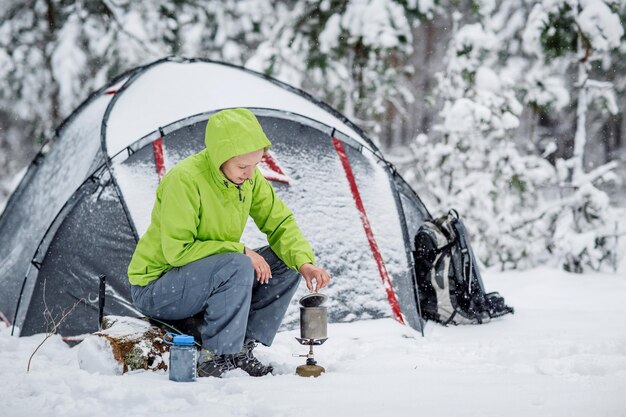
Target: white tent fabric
(172, 91)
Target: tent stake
(101, 296)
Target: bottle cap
(183, 340)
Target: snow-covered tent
(87, 196)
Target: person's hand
(312, 273)
(260, 265)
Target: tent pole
(407, 244)
(19, 299)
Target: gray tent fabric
(77, 255)
(80, 208)
(51, 180)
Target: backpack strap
(471, 272)
(466, 259)
(451, 318)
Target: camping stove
(312, 331)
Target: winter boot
(211, 364)
(248, 362)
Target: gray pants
(236, 306)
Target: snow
(509, 121)
(544, 89)
(563, 353)
(95, 355)
(378, 23)
(537, 21)
(67, 63)
(487, 79)
(601, 26)
(138, 184)
(464, 114)
(329, 37)
(476, 38)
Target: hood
(233, 132)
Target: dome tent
(87, 196)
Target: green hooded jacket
(198, 212)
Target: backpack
(449, 281)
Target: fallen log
(124, 344)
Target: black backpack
(450, 286)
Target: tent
(87, 196)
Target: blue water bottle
(182, 357)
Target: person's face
(240, 168)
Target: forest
(510, 111)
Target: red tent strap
(275, 171)
(382, 269)
(271, 163)
(4, 319)
(159, 159)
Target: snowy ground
(562, 354)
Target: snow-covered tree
(351, 52)
(522, 209)
(580, 34)
(472, 163)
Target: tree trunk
(48, 50)
(580, 138)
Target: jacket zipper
(242, 199)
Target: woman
(191, 260)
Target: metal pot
(313, 319)
(313, 323)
